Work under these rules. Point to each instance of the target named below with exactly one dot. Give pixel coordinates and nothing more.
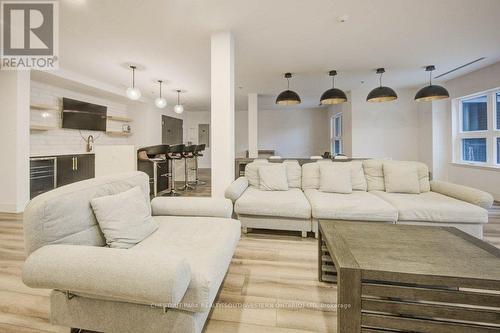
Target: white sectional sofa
(434, 203)
(165, 283)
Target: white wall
(68, 141)
(291, 133)
(147, 124)
(385, 130)
(487, 179)
(425, 140)
(14, 136)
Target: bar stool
(152, 160)
(188, 153)
(198, 153)
(174, 153)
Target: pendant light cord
(333, 81)
(178, 97)
(133, 77)
(288, 83)
(380, 79)
(430, 78)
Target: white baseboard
(11, 208)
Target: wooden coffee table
(410, 278)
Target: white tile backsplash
(68, 141)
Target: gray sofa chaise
(166, 283)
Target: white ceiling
(171, 40)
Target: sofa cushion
(433, 207)
(273, 177)
(358, 176)
(401, 177)
(252, 172)
(64, 215)
(124, 218)
(311, 176)
(207, 244)
(293, 173)
(335, 177)
(374, 174)
(291, 203)
(357, 206)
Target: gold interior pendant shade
(381, 93)
(288, 97)
(431, 92)
(333, 95)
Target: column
(14, 140)
(222, 112)
(253, 150)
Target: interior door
(171, 130)
(204, 134)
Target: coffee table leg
(349, 300)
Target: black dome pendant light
(431, 92)
(334, 95)
(288, 97)
(381, 93)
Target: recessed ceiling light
(343, 18)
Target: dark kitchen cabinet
(74, 168)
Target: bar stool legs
(197, 181)
(186, 183)
(172, 192)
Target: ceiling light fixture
(431, 92)
(333, 95)
(160, 102)
(381, 93)
(132, 92)
(288, 97)
(178, 108)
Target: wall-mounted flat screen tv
(83, 115)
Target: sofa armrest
(135, 276)
(236, 189)
(464, 193)
(210, 207)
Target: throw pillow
(374, 174)
(335, 177)
(401, 177)
(273, 177)
(125, 218)
(252, 172)
(293, 173)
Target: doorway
(171, 130)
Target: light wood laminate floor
(267, 276)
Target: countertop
(61, 154)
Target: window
(477, 129)
(475, 114)
(336, 134)
(474, 150)
(498, 109)
(498, 150)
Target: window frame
(334, 136)
(490, 134)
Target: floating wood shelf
(42, 128)
(120, 118)
(44, 107)
(118, 133)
